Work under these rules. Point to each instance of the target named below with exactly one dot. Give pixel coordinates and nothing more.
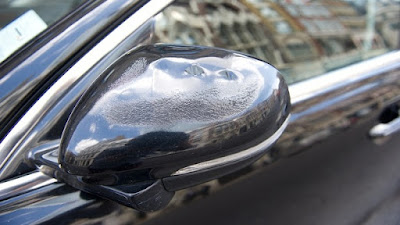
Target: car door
(340, 59)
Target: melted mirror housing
(166, 117)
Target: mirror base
(145, 196)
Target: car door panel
(346, 100)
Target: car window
(22, 20)
(302, 38)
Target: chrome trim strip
(311, 88)
(308, 89)
(12, 141)
(296, 91)
(229, 159)
(23, 184)
(39, 60)
(300, 92)
(384, 130)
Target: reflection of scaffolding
(301, 40)
(316, 126)
(231, 129)
(201, 23)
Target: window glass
(302, 38)
(22, 20)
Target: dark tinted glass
(22, 20)
(302, 38)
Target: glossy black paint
(338, 109)
(349, 116)
(344, 180)
(360, 123)
(44, 206)
(149, 124)
(153, 110)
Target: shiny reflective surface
(164, 107)
(160, 108)
(47, 117)
(346, 110)
(44, 206)
(302, 39)
(384, 130)
(373, 85)
(357, 74)
(25, 76)
(383, 93)
(24, 184)
(230, 159)
(47, 11)
(345, 180)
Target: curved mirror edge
(309, 98)
(181, 116)
(189, 194)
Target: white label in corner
(19, 32)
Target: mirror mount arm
(166, 117)
(145, 196)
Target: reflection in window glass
(22, 20)
(283, 27)
(302, 38)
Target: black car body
(333, 93)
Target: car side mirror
(166, 117)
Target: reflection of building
(301, 38)
(89, 154)
(294, 43)
(339, 31)
(231, 129)
(388, 21)
(306, 130)
(201, 23)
